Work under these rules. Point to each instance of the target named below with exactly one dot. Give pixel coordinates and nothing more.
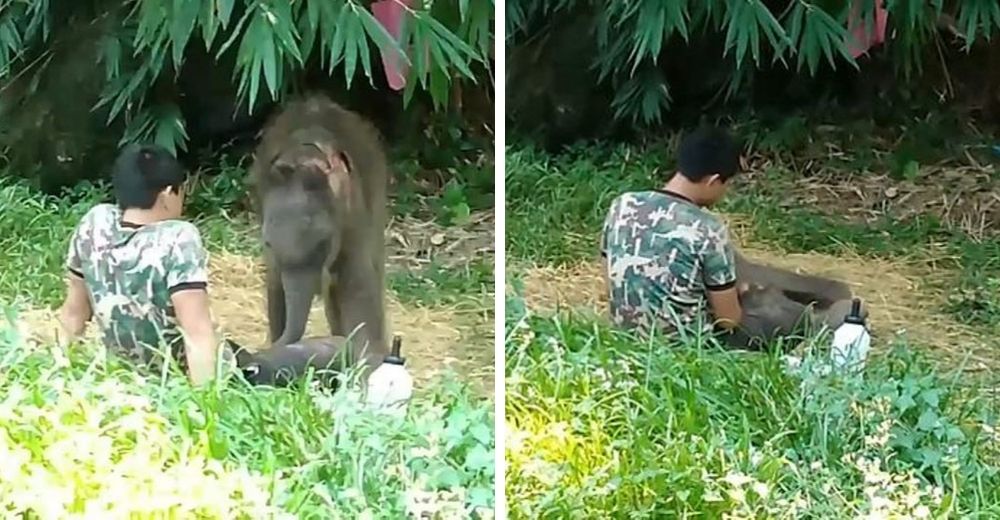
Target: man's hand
(726, 307)
(200, 341)
(75, 311)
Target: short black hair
(141, 172)
(708, 151)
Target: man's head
(708, 158)
(148, 177)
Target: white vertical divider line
(500, 272)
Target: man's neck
(143, 217)
(681, 186)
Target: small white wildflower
(882, 503)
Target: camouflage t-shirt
(663, 254)
(131, 271)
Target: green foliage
(298, 450)
(219, 190)
(633, 37)
(37, 228)
(555, 205)
(144, 43)
(602, 424)
(977, 302)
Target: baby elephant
(769, 313)
(781, 303)
(281, 365)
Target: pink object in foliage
(390, 13)
(863, 40)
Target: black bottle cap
(394, 358)
(855, 315)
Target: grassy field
(83, 435)
(601, 424)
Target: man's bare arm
(726, 307)
(75, 311)
(200, 341)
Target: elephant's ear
(338, 168)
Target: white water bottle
(851, 341)
(390, 386)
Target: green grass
(80, 429)
(603, 425)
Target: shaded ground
(965, 197)
(902, 299)
(436, 338)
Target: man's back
(131, 271)
(663, 253)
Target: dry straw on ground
(433, 339)
(901, 298)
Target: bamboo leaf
(184, 15)
(362, 43)
(111, 56)
(279, 17)
(350, 51)
(235, 34)
(438, 56)
(649, 32)
(270, 64)
(772, 29)
(309, 28)
(225, 10)
(677, 17)
(168, 128)
(813, 34)
(340, 36)
(254, 81)
(377, 32)
(137, 128)
(978, 16)
(209, 24)
(453, 46)
(439, 87)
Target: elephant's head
(304, 198)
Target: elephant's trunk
(300, 287)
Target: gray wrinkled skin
(282, 365)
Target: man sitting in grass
(669, 262)
(141, 270)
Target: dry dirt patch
(902, 298)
